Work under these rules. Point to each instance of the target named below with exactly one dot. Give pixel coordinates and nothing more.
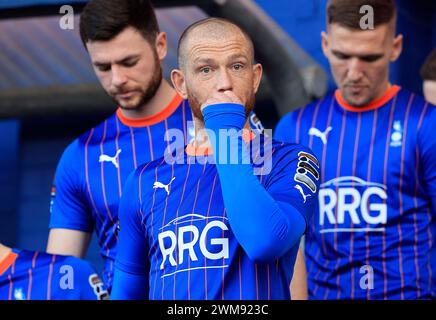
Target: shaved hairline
(343, 22)
(181, 50)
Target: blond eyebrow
(203, 61)
(237, 56)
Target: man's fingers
(222, 97)
(211, 101)
(232, 96)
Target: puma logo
(305, 196)
(114, 159)
(160, 185)
(322, 135)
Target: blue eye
(205, 70)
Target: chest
(185, 220)
(373, 148)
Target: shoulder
(290, 150)
(70, 264)
(413, 101)
(285, 128)
(97, 133)
(418, 112)
(44, 259)
(308, 109)
(91, 285)
(298, 159)
(76, 149)
(21, 257)
(292, 164)
(277, 156)
(76, 265)
(38, 259)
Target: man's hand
(223, 111)
(222, 97)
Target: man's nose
(118, 77)
(224, 81)
(355, 69)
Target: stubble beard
(150, 91)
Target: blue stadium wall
(304, 21)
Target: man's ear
(179, 83)
(161, 45)
(397, 48)
(257, 76)
(325, 43)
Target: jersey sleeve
(294, 181)
(272, 214)
(69, 209)
(427, 151)
(131, 264)
(255, 123)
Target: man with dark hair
(208, 228)
(101, 20)
(126, 48)
(373, 233)
(428, 75)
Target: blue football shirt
(93, 169)
(33, 275)
(373, 232)
(175, 230)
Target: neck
(4, 252)
(164, 95)
(385, 87)
(201, 139)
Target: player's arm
(427, 151)
(285, 131)
(250, 207)
(71, 223)
(68, 242)
(255, 124)
(299, 279)
(131, 264)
